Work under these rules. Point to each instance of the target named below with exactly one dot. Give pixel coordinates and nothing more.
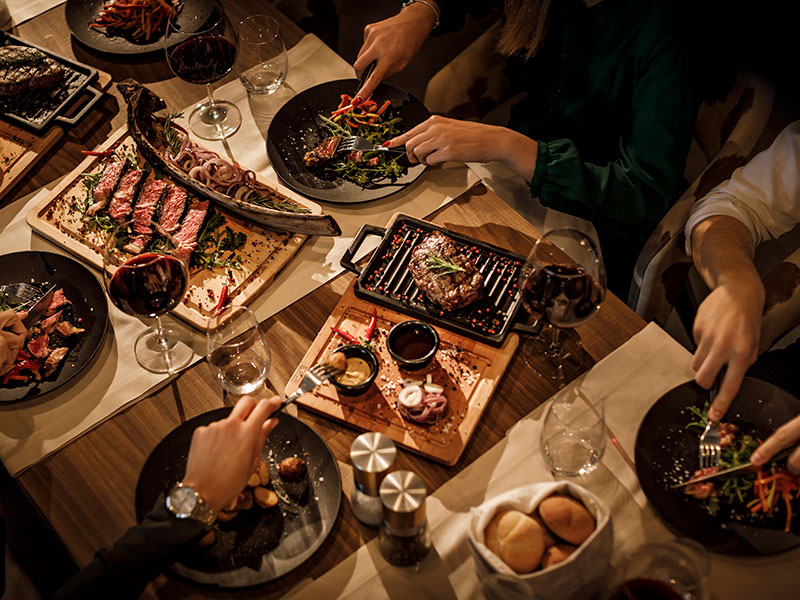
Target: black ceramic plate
(295, 129)
(80, 13)
(666, 453)
(258, 545)
(88, 303)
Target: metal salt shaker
(372, 456)
(404, 536)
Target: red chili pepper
(383, 108)
(345, 335)
(15, 373)
(104, 153)
(223, 298)
(372, 322)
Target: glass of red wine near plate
(150, 283)
(564, 284)
(204, 52)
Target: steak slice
(59, 299)
(105, 187)
(122, 202)
(54, 359)
(448, 290)
(143, 214)
(324, 151)
(39, 346)
(172, 210)
(186, 238)
(23, 68)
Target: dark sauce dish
(413, 344)
(356, 351)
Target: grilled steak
(122, 202)
(323, 152)
(106, 186)
(59, 300)
(448, 287)
(54, 359)
(23, 68)
(39, 346)
(186, 238)
(172, 210)
(143, 214)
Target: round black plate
(82, 12)
(295, 129)
(258, 545)
(666, 454)
(88, 303)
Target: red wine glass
(203, 50)
(150, 283)
(564, 284)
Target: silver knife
(38, 309)
(748, 467)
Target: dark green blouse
(610, 100)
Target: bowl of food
(359, 368)
(413, 344)
(554, 536)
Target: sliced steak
(186, 238)
(53, 360)
(143, 214)
(172, 209)
(66, 329)
(59, 300)
(449, 290)
(39, 346)
(23, 68)
(121, 204)
(324, 151)
(106, 186)
(49, 324)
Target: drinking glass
(204, 52)
(675, 570)
(564, 284)
(573, 434)
(150, 284)
(238, 355)
(261, 59)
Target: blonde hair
(525, 27)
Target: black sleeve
(135, 559)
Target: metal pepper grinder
(404, 536)
(372, 456)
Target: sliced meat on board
(104, 189)
(172, 210)
(186, 238)
(122, 203)
(143, 214)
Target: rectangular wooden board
(468, 370)
(60, 218)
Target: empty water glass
(574, 434)
(237, 353)
(261, 61)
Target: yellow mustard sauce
(357, 372)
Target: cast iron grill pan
(37, 109)
(386, 280)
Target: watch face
(181, 502)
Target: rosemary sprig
(173, 137)
(25, 57)
(445, 266)
(281, 205)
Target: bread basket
(578, 577)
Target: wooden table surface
(86, 489)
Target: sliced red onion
(427, 412)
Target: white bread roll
(556, 554)
(517, 539)
(567, 518)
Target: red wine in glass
(564, 295)
(202, 59)
(645, 588)
(148, 284)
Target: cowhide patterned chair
(725, 134)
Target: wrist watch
(185, 503)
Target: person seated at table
(605, 129)
(760, 201)
(12, 338)
(222, 455)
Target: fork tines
(325, 371)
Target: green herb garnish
(27, 57)
(281, 205)
(445, 266)
(217, 245)
(173, 137)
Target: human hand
(438, 140)
(393, 42)
(12, 339)
(727, 328)
(223, 454)
(786, 435)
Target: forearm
(723, 251)
(518, 153)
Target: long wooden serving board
(468, 370)
(60, 217)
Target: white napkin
(22, 10)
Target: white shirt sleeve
(764, 194)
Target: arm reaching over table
(222, 456)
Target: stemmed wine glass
(150, 284)
(564, 285)
(204, 52)
(237, 352)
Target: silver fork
(316, 375)
(356, 143)
(709, 449)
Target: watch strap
(201, 512)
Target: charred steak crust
(448, 290)
(23, 68)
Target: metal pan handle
(528, 329)
(96, 95)
(363, 233)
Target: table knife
(748, 467)
(38, 309)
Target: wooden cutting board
(468, 370)
(59, 217)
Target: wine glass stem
(162, 343)
(555, 349)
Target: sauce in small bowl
(362, 368)
(413, 344)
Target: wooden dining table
(85, 490)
